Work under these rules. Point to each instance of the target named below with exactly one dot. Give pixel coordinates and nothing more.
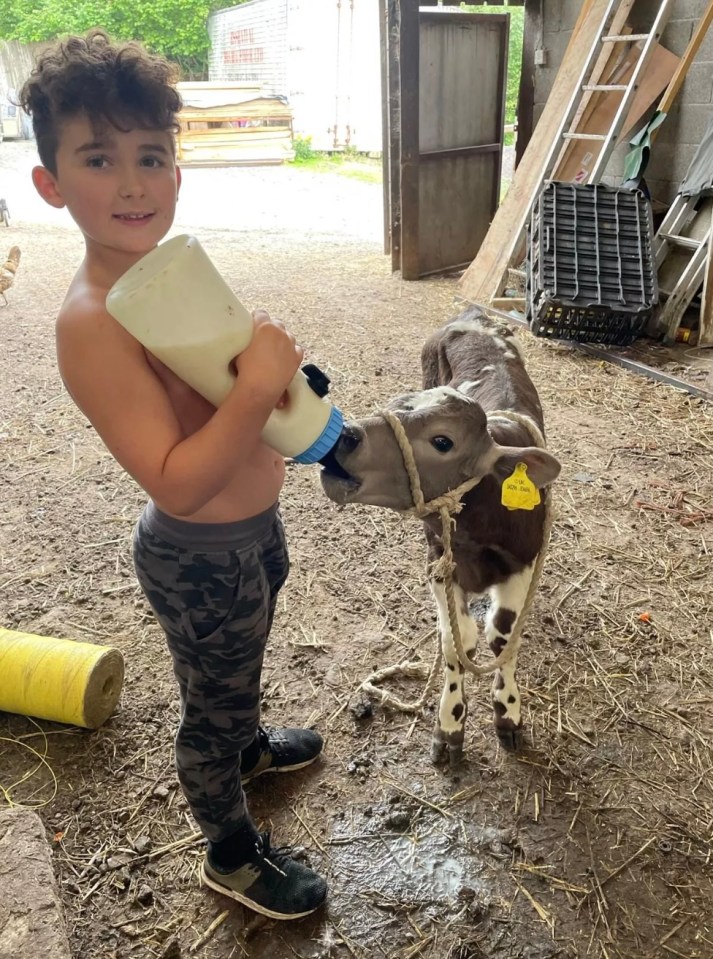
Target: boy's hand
(271, 359)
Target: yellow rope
(7, 791)
(59, 679)
(447, 506)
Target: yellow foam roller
(59, 679)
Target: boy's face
(120, 188)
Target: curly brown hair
(121, 84)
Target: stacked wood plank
(232, 123)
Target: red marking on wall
(242, 37)
(247, 55)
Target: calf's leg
(507, 602)
(449, 730)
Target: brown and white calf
(472, 367)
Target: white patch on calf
(513, 348)
(471, 325)
(510, 595)
(469, 385)
(434, 397)
(451, 719)
(476, 325)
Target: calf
(477, 417)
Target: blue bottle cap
(325, 441)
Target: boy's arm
(106, 372)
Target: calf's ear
(542, 467)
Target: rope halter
(448, 505)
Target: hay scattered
(604, 822)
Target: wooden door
(444, 98)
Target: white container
(323, 56)
(177, 305)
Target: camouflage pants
(213, 588)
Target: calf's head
(449, 437)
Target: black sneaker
(280, 751)
(270, 882)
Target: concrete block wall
(692, 111)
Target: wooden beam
(509, 303)
(409, 40)
(385, 186)
(394, 106)
(705, 323)
(532, 35)
(688, 56)
(485, 276)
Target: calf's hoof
(439, 752)
(446, 748)
(509, 737)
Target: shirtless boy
(209, 548)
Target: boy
(209, 549)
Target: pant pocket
(210, 586)
(276, 558)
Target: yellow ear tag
(519, 492)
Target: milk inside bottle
(177, 305)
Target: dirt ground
(593, 841)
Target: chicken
(8, 270)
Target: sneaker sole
(250, 903)
(279, 769)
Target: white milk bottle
(178, 306)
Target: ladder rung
(685, 241)
(584, 136)
(621, 38)
(603, 87)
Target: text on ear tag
(519, 492)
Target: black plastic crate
(591, 272)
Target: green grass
(349, 163)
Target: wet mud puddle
(395, 858)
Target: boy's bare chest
(191, 409)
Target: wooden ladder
(610, 32)
(671, 236)
(487, 274)
(596, 64)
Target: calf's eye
(442, 444)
